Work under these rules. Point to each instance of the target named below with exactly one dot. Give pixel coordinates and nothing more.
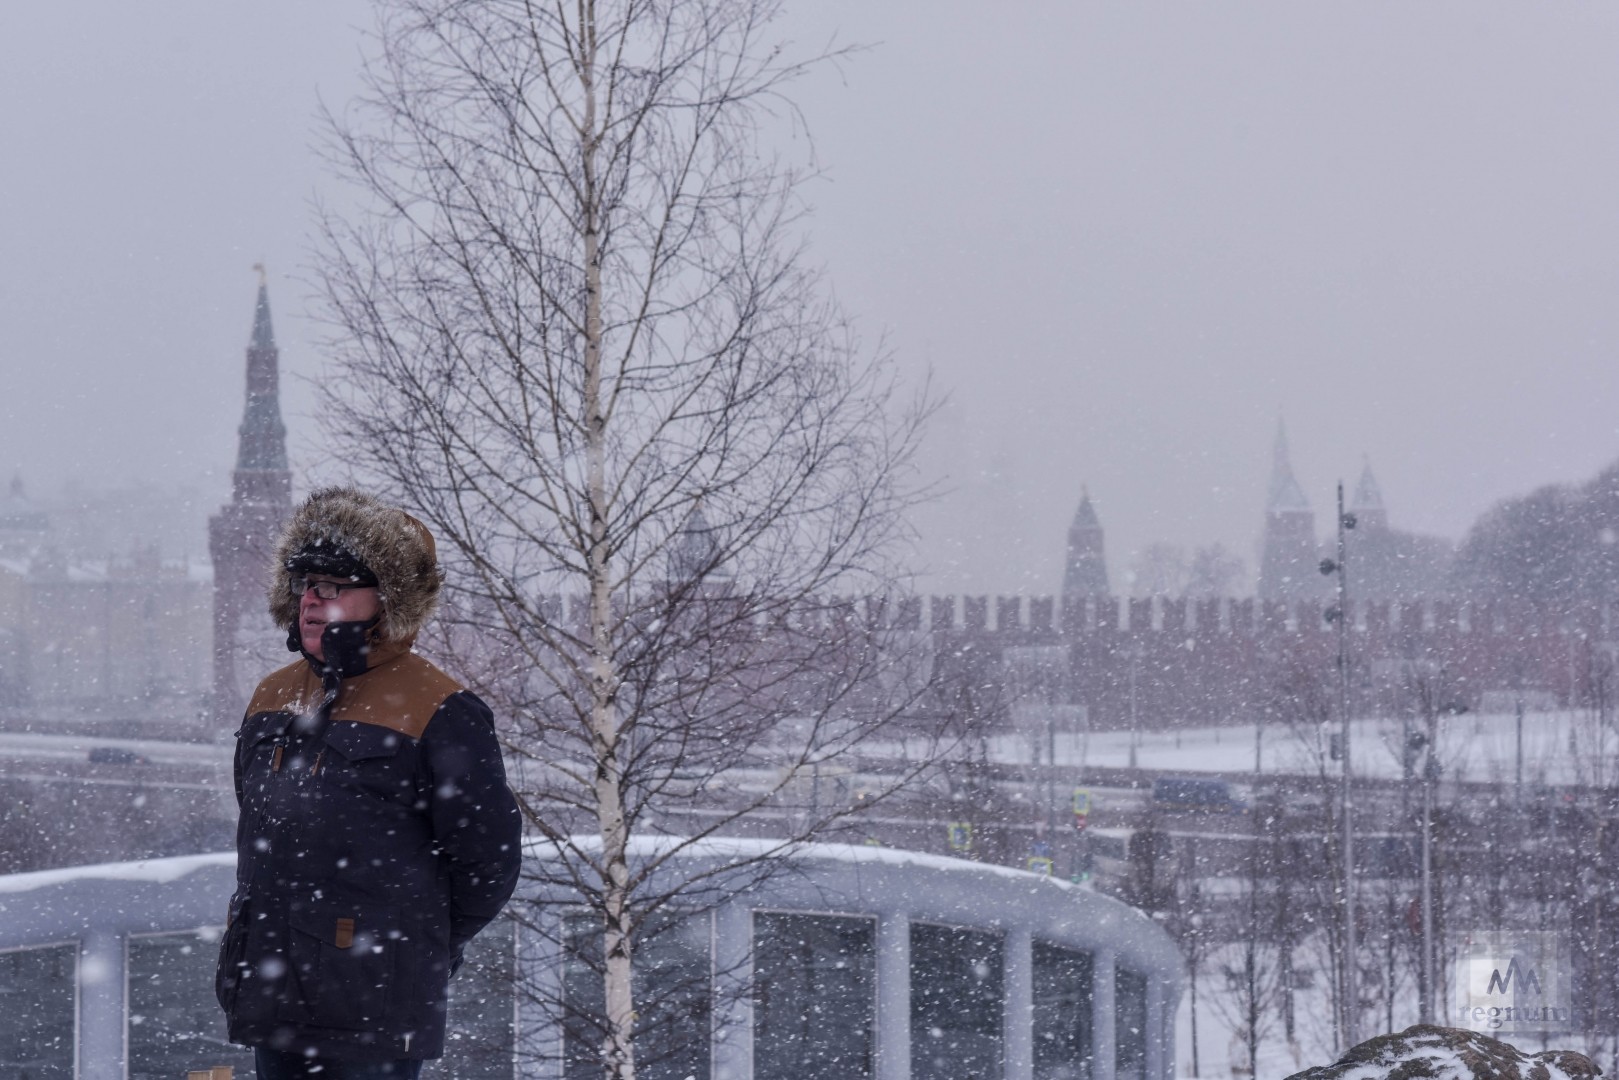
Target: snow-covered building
(104, 636)
(851, 962)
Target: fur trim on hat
(394, 546)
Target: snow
(88, 571)
(1440, 1053)
(1476, 747)
(16, 746)
(739, 848)
(157, 870)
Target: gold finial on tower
(264, 277)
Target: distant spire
(1367, 503)
(1368, 496)
(263, 336)
(696, 555)
(262, 437)
(1085, 517)
(1288, 556)
(242, 535)
(1285, 494)
(1085, 572)
(20, 516)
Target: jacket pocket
(232, 955)
(257, 744)
(373, 759)
(261, 726)
(342, 962)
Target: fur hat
(320, 557)
(341, 525)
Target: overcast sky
(1126, 238)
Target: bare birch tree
(577, 331)
(1252, 962)
(1304, 703)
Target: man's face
(352, 604)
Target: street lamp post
(1051, 770)
(1135, 728)
(1340, 613)
(1430, 771)
(1517, 709)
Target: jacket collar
(351, 650)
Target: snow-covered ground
(1563, 747)
(1223, 1053)
(1558, 748)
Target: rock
(1426, 1052)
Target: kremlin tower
(241, 535)
(1288, 560)
(1085, 573)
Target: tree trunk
(618, 1050)
(1194, 1019)
(1251, 973)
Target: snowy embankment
(1424, 1052)
(1471, 746)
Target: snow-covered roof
(733, 848)
(741, 851)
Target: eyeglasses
(323, 590)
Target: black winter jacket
(377, 836)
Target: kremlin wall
(173, 647)
(1160, 662)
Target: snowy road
(19, 747)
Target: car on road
(1198, 794)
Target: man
(377, 834)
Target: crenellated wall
(1165, 662)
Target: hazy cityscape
(1086, 547)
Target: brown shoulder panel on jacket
(293, 688)
(401, 694)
